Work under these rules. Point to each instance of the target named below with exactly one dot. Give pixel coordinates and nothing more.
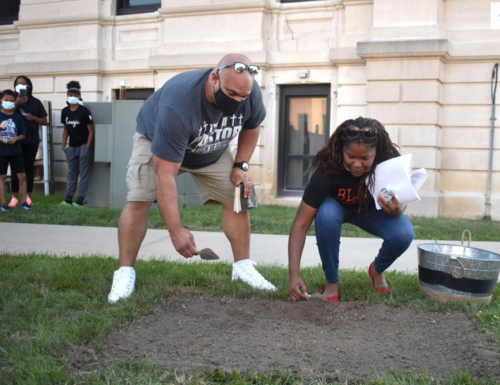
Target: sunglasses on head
(353, 132)
(241, 67)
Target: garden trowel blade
(208, 255)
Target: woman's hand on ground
(393, 207)
(297, 289)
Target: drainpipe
(494, 82)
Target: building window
(304, 130)
(127, 7)
(9, 11)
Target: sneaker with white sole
(4, 207)
(246, 271)
(123, 285)
(26, 206)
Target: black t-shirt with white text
(185, 128)
(77, 124)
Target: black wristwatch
(243, 165)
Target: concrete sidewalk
(20, 238)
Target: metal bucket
(457, 273)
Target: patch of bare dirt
(348, 340)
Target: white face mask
(20, 87)
(73, 100)
(8, 105)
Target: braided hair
(29, 83)
(331, 156)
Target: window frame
(287, 92)
(123, 8)
(11, 18)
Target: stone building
(421, 67)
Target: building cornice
(215, 9)
(345, 56)
(437, 48)
(146, 18)
(251, 7)
(300, 7)
(62, 67)
(8, 29)
(441, 49)
(348, 3)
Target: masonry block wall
(421, 67)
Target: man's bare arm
(166, 195)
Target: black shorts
(16, 164)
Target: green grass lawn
(48, 304)
(265, 220)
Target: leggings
(29, 155)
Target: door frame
(286, 92)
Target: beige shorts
(212, 182)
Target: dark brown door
(304, 130)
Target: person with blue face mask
(79, 128)
(12, 131)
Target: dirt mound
(347, 340)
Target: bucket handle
(463, 237)
(451, 270)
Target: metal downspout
(494, 82)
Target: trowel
(208, 255)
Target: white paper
(396, 173)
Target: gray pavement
(80, 241)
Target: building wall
(421, 67)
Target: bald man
(187, 126)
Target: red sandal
(382, 290)
(332, 298)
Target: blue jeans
(397, 233)
(79, 162)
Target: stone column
(404, 56)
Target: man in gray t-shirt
(187, 126)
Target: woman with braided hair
(338, 193)
(33, 113)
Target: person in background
(34, 115)
(338, 193)
(12, 132)
(79, 128)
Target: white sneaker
(123, 285)
(245, 271)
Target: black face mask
(224, 103)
